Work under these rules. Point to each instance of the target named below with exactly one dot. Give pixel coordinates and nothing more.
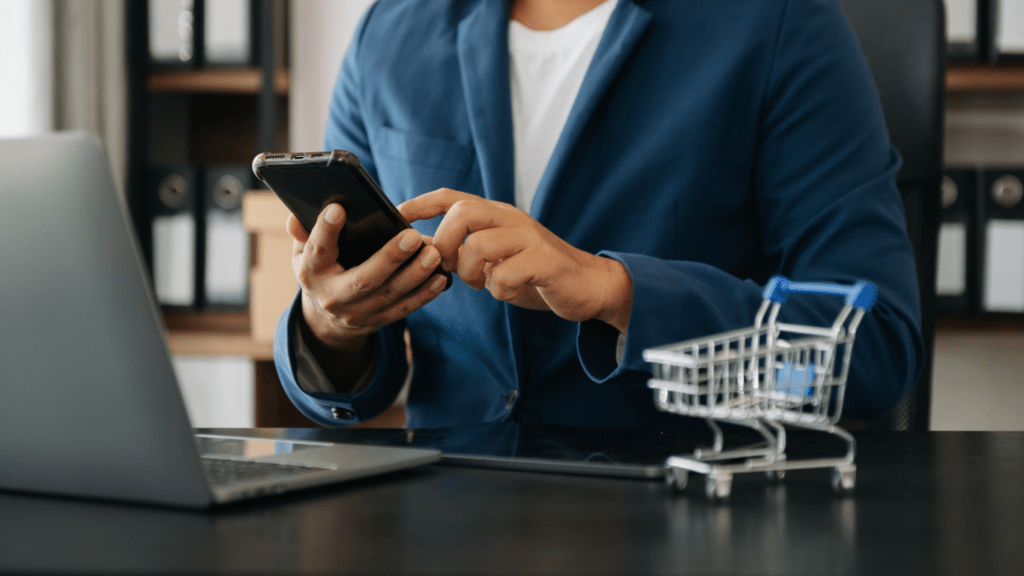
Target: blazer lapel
(482, 45)
(625, 27)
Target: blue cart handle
(859, 295)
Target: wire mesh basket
(763, 377)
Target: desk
(926, 503)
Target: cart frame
(755, 378)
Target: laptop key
(225, 472)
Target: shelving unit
(977, 356)
(980, 78)
(205, 117)
(231, 118)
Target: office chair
(905, 45)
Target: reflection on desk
(926, 503)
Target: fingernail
(333, 214)
(429, 260)
(410, 241)
(438, 283)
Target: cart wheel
(676, 478)
(717, 489)
(844, 479)
(775, 475)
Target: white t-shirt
(547, 70)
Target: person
(602, 177)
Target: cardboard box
(272, 283)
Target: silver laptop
(89, 403)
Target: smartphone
(307, 182)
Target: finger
(487, 246)
(466, 217)
(413, 301)
(373, 314)
(406, 279)
(431, 204)
(295, 229)
(298, 234)
(508, 277)
(321, 251)
(371, 274)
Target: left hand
(496, 246)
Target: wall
(320, 33)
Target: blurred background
(182, 94)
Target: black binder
(224, 243)
(956, 275)
(172, 206)
(1001, 225)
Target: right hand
(344, 307)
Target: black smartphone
(307, 182)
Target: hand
(343, 307)
(499, 247)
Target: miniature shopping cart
(763, 377)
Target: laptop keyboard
(225, 472)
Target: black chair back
(905, 45)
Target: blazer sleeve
(828, 210)
(345, 130)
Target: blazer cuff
(602, 349)
(603, 354)
(312, 378)
(328, 407)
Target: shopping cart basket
(763, 377)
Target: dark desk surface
(926, 503)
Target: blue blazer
(712, 145)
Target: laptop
(90, 404)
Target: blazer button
(510, 400)
(342, 414)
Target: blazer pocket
(423, 150)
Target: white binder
(1003, 272)
(174, 236)
(227, 32)
(1009, 33)
(171, 29)
(226, 244)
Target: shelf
(982, 77)
(214, 81)
(214, 334)
(993, 323)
